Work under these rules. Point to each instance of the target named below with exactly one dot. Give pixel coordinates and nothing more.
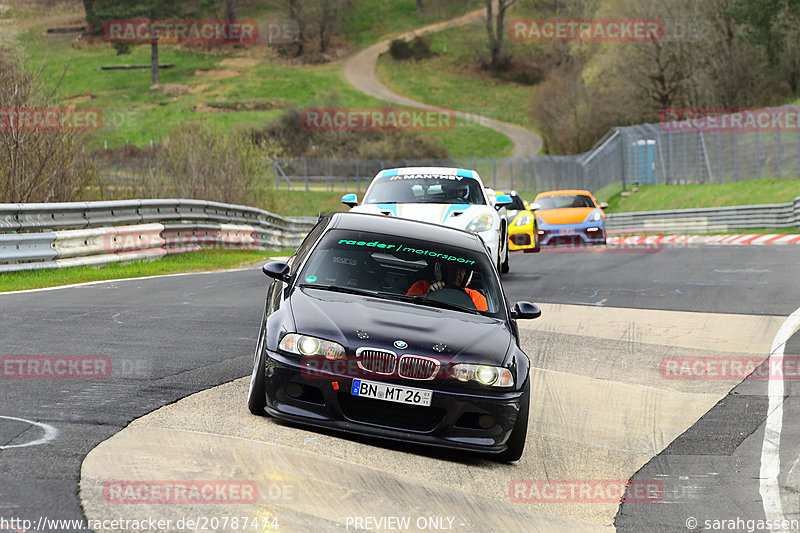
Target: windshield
(405, 268)
(517, 204)
(425, 189)
(565, 200)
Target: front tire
(257, 396)
(516, 441)
(504, 267)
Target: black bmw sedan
(396, 329)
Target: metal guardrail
(36, 236)
(710, 219)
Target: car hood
(451, 215)
(566, 215)
(347, 318)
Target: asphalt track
(601, 409)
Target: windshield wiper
(421, 300)
(337, 288)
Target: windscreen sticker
(345, 261)
(311, 279)
(407, 249)
(426, 177)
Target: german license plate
(566, 232)
(391, 393)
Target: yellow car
(523, 228)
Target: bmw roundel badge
(400, 345)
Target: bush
(400, 49)
(196, 161)
(418, 48)
(38, 164)
(288, 135)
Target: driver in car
(450, 276)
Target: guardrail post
(758, 157)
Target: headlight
(522, 220)
(307, 345)
(595, 217)
(481, 223)
(493, 376)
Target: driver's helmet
(440, 272)
(458, 191)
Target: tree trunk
(154, 63)
(230, 10)
(490, 30)
(95, 28)
(294, 14)
(420, 6)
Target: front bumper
(581, 233)
(451, 421)
(521, 238)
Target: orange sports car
(571, 216)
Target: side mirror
(503, 200)
(276, 270)
(603, 205)
(350, 200)
(534, 206)
(526, 311)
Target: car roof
(402, 227)
(449, 171)
(565, 191)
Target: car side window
(307, 244)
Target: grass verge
(452, 80)
(659, 197)
(172, 264)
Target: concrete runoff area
(600, 410)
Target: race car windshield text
(427, 189)
(388, 266)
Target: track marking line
(50, 433)
(91, 283)
(771, 447)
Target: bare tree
(230, 10)
(39, 161)
(496, 29)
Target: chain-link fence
(645, 154)
(675, 153)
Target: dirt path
(359, 70)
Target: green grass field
(452, 79)
(228, 88)
(172, 264)
(658, 197)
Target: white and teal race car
(450, 197)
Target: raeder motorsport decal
(408, 249)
